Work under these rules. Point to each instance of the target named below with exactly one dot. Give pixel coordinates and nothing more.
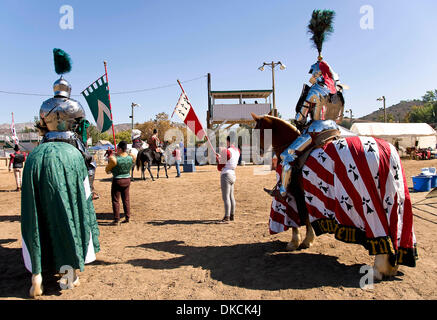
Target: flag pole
(207, 138)
(110, 108)
(13, 126)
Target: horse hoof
(37, 288)
(304, 245)
(35, 292)
(76, 282)
(292, 247)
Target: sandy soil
(175, 249)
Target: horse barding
(353, 187)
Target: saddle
(319, 141)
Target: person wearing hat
(16, 161)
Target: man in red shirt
(16, 161)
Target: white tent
(345, 132)
(405, 133)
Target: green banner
(97, 97)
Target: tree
(390, 117)
(430, 96)
(162, 124)
(124, 135)
(425, 113)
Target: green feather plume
(62, 61)
(320, 27)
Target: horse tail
(138, 162)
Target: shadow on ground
(15, 280)
(259, 266)
(14, 218)
(181, 222)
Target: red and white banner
(186, 112)
(14, 133)
(355, 188)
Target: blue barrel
(434, 181)
(422, 183)
(189, 166)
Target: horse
(329, 181)
(150, 157)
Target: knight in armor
(62, 119)
(58, 220)
(320, 106)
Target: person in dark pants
(120, 166)
(17, 161)
(177, 157)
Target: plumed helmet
(60, 113)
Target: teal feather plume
(62, 61)
(320, 27)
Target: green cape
(57, 214)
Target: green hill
(399, 111)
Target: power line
(121, 92)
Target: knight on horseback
(155, 145)
(323, 102)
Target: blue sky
(149, 44)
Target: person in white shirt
(227, 161)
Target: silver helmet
(60, 113)
(62, 88)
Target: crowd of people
(121, 162)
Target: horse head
(283, 132)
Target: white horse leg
(76, 281)
(309, 237)
(36, 289)
(383, 267)
(295, 240)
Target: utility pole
(272, 65)
(275, 112)
(132, 116)
(385, 113)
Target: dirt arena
(175, 249)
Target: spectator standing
(227, 161)
(120, 166)
(177, 157)
(17, 160)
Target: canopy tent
(345, 132)
(405, 134)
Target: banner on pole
(14, 133)
(186, 113)
(97, 97)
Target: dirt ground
(175, 249)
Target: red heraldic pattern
(356, 188)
